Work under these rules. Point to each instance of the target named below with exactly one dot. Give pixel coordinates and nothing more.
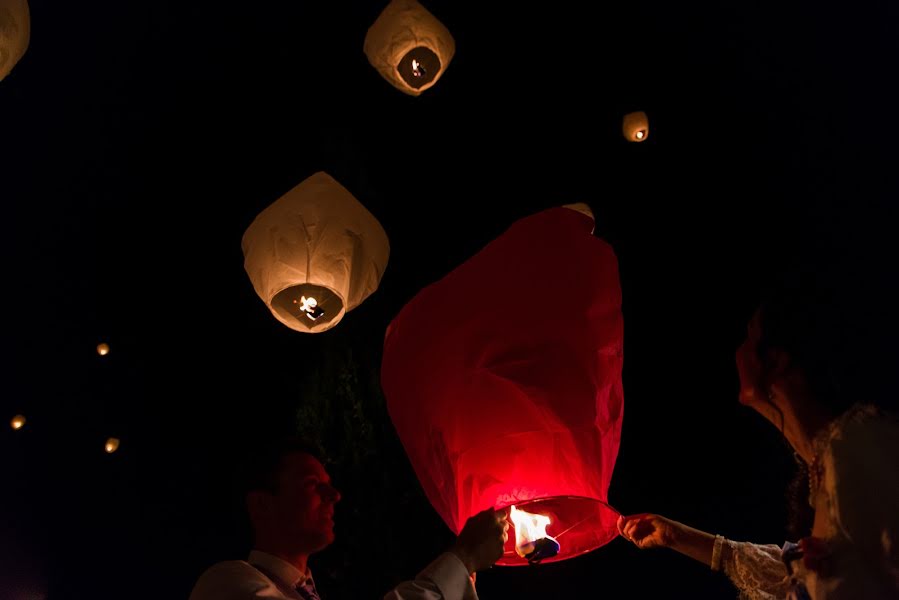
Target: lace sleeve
(757, 571)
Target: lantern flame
(640, 134)
(310, 307)
(417, 69)
(112, 444)
(18, 422)
(529, 529)
(103, 349)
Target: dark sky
(140, 139)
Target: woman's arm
(757, 571)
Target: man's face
(304, 502)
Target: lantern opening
(640, 134)
(531, 540)
(419, 67)
(310, 306)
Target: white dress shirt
(444, 579)
(241, 580)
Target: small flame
(310, 307)
(640, 134)
(528, 529)
(417, 69)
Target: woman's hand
(647, 530)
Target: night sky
(140, 139)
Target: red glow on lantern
(506, 402)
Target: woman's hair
(835, 318)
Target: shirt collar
(280, 568)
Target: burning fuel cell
(531, 540)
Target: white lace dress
(854, 548)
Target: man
(290, 501)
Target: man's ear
(777, 363)
(258, 504)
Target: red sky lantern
(503, 381)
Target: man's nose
(332, 494)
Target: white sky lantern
(15, 31)
(409, 46)
(635, 126)
(112, 444)
(103, 349)
(17, 422)
(315, 254)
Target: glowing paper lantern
(409, 47)
(635, 126)
(102, 349)
(112, 444)
(15, 32)
(18, 422)
(503, 381)
(315, 254)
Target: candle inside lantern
(531, 540)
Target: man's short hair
(261, 468)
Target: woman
(793, 368)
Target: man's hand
(481, 541)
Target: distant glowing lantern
(503, 381)
(18, 422)
(112, 444)
(102, 349)
(315, 254)
(409, 46)
(635, 126)
(15, 31)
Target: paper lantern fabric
(503, 381)
(316, 241)
(406, 32)
(15, 32)
(635, 126)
